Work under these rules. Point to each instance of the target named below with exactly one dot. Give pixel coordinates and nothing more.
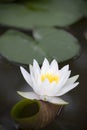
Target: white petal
(32, 76)
(64, 69)
(35, 70)
(61, 83)
(66, 89)
(49, 88)
(63, 79)
(55, 100)
(35, 85)
(26, 76)
(32, 73)
(45, 66)
(54, 66)
(29, 95)
(64, 74)
(72, 80)
(46, 90)
(31, 70)
(36, 67)
(69, 83)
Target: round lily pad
(57, 43)
(17, 47)
(41, 13)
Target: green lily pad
(17, 47)
(41, 13)
(58, 44)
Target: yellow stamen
(50, 77)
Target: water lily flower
(48, 82)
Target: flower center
(50, 77)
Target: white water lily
(48, 82)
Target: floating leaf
(57, 44)
(17, 47)
(41, 13)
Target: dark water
(73, 116)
